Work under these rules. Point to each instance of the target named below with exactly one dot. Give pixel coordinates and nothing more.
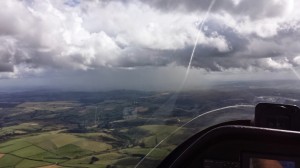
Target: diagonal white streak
(196, 42)
(184, 81)
(296, 73)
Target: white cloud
(297, 60)
(40, 36)
(279, 64)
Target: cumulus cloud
(39, 36)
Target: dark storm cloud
(255, 9)
(143, 57)
(6, 67)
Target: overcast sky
(142, 44)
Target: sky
(141, 44)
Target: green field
(48, 106)
(28, 151)
(77, 149)
(9, 161)
(150, 135)
(155, 154)
(47, 149)
(22, 128)
(49, 134)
